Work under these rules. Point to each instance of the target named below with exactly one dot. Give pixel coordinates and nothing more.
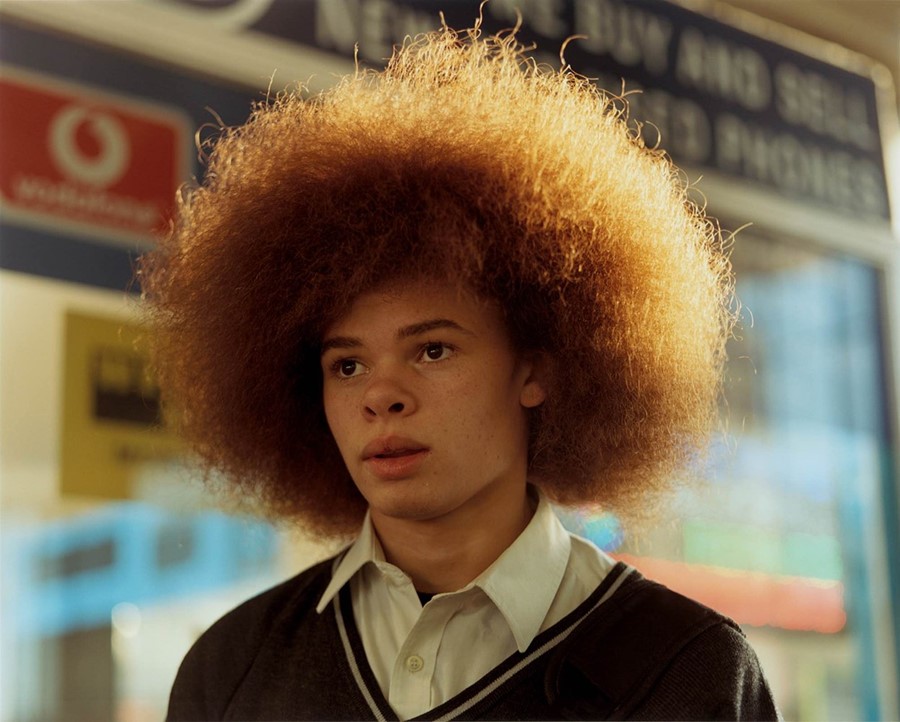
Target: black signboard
(713, 95)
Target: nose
(387, 396)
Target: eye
(436, 351)
(346, 368)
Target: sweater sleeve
(715, 677)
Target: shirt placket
(417, 661)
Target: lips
(394, 458)
(392, 447)
(395, 454)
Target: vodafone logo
(100, 166)
(89, 161)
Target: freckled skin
(460, 392)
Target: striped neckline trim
(371, 693)
(490, 683)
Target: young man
(415, 310)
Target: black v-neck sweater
(632, 650)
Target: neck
(445, 553)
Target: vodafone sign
(98, 163)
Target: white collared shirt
(423, 656)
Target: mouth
(396, 454)
(392, 448)
(392, 459)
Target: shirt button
(414, 663)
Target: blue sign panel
(70, 575)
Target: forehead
(399, 304)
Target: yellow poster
(112, 425)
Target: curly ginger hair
(465, 161)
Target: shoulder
(249, 622)
(219, 659)
(673, 658)
(716, 675)
(703, 667)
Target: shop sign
(112, 425)
(711, 94)
(73, 157)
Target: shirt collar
(365, 549)
(522, 582)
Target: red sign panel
(70, 156)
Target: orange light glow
(752, 598)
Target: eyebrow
(414, 329)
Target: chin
(410, 509)
(411, 501)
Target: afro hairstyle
(464, 161)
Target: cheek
(335, 414)
(488, 406)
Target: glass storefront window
(786, 535)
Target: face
(427, 401)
